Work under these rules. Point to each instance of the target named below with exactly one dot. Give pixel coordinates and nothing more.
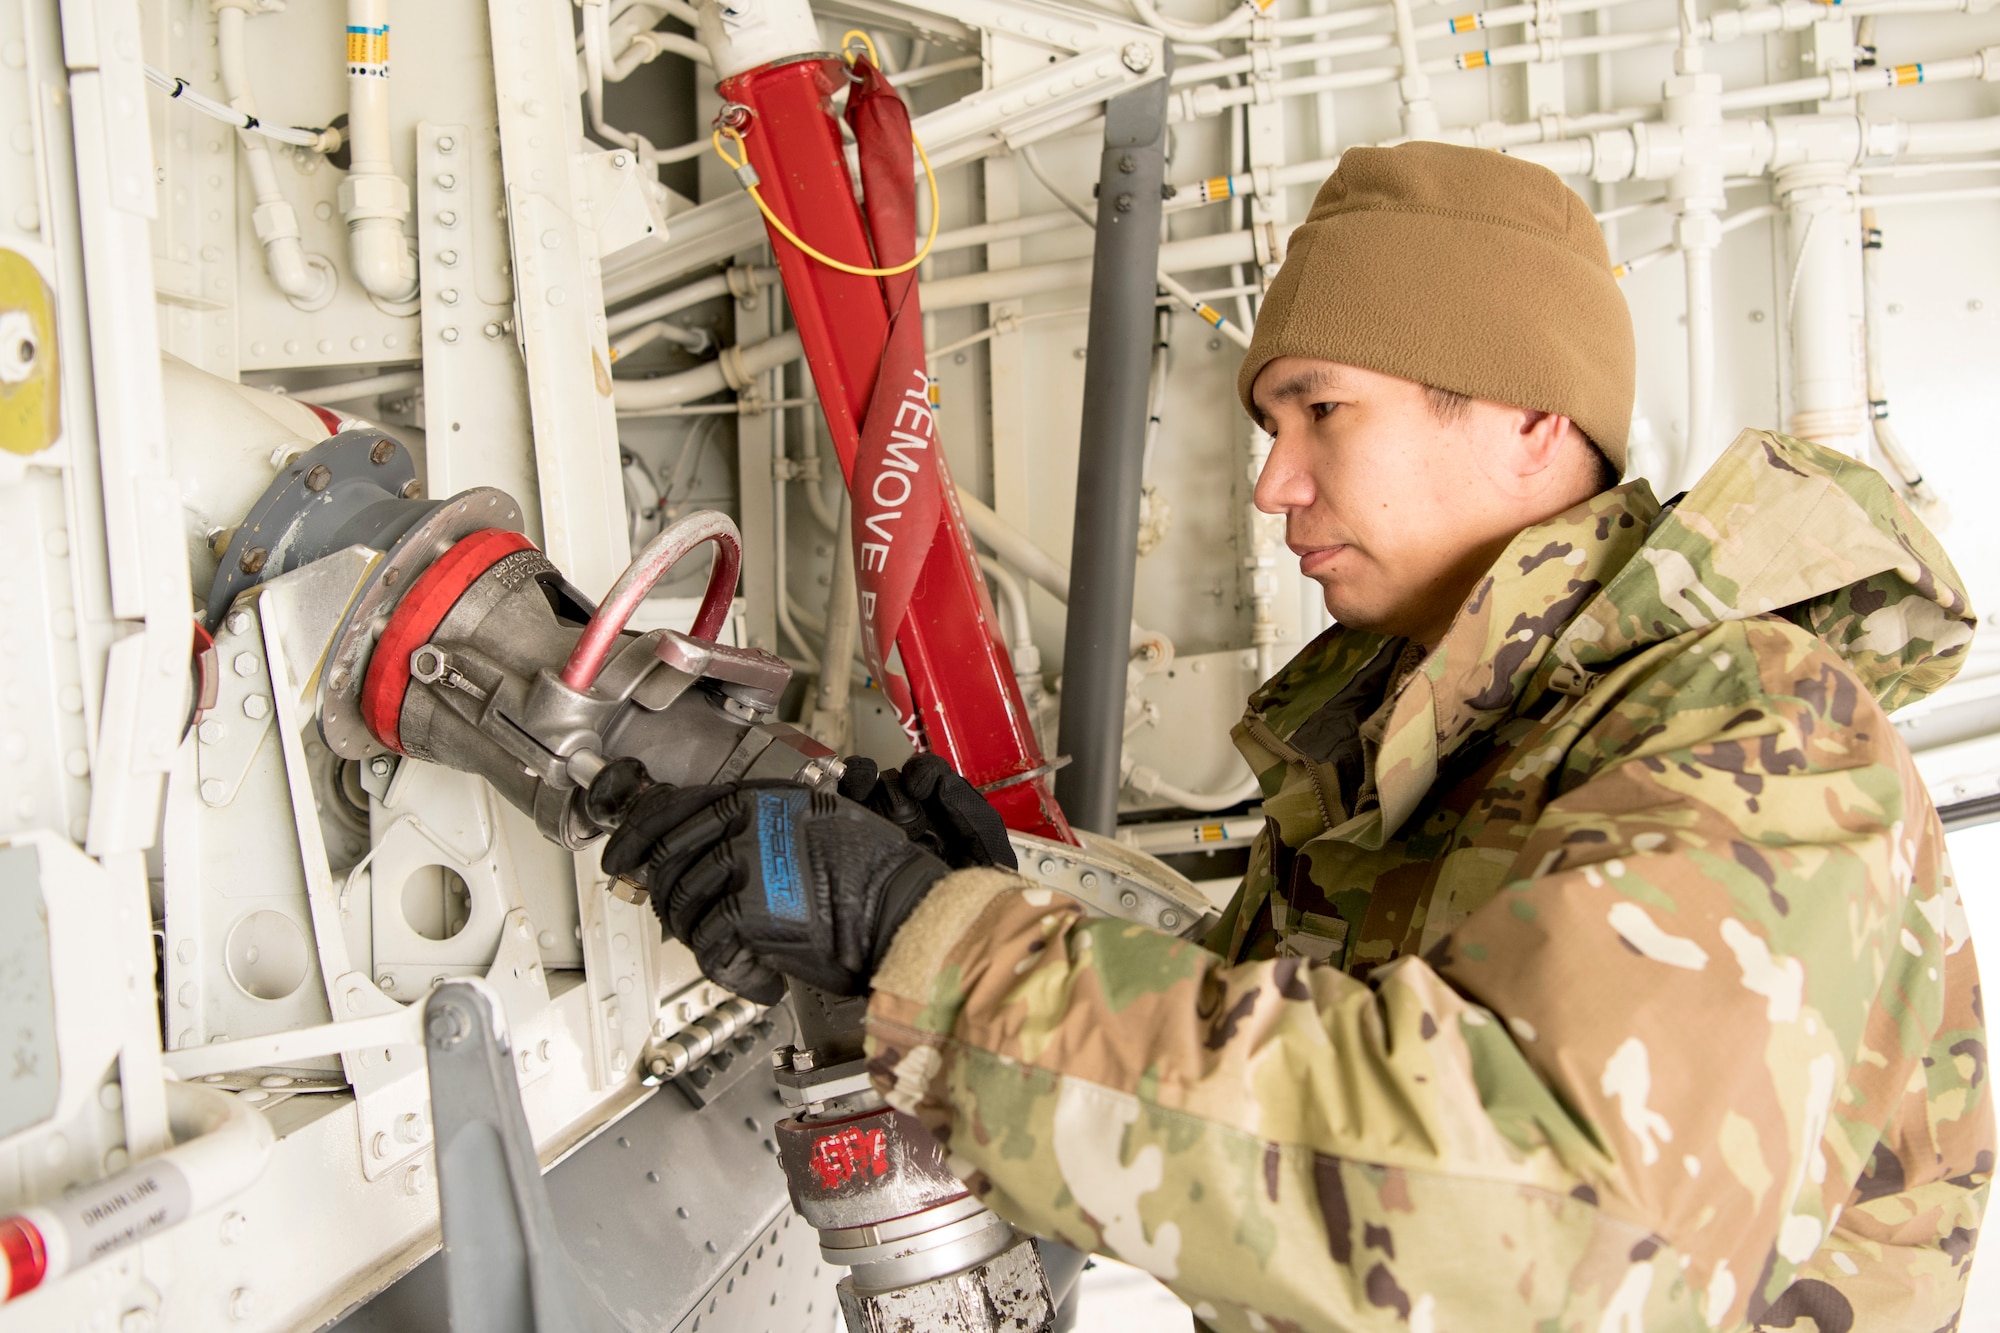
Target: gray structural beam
(506, 1270)
(1104, 550)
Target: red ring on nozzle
(27, 1255)
(417, 617)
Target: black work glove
(939, 810)
(767, 880)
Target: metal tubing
(1104, 549)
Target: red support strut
(960, 673)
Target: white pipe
(374, 199)
(1841, 84)
(1264, 536)
(835, 688)
(307, 280)
(737, 368)
(1700, 273)
(1014, 546)
(1874, 318)
(1325, 134)
(1949, 138)
(1420, 119)
(596, 45)
(1234, 25)
(811, 476)
(1302, 53)
(348, 391)
(1934, 196)
(179, 90)
(1013, 601)
(785, 621)
(1829, 399)
(695, 340)
(741, 281)
(643, 48)
(1147, 782)
(221, 1147)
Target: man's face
(1393, 512)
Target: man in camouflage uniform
(1600, 965)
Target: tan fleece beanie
(1462, 269)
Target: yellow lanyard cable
(740, 167)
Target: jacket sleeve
(1632, 1090)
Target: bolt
(620, 161)
(210, 732)
(447, 181)
(319, 478)
(446, 143)
(1047, 866)
(781, 1057)
(448, 335)
(447, 257)
(410, 1127)
(241, 1306)
(245, 665)
(387, 981)
(1127, 163)
(412, 489)
(213, 790)
(383, 451)
(380, 765)
(1088, 879)
(255, 707)
(492, 328)
(218, 540)
(238, 622)
(1122, 204)
(379, 1145)
(804, 1060)
(233, 1227)
(659, 1066)
(702, 1077)
(447, 218)
(1170, 919)
(1138, 57)
(449, 296)
(136, 1321)
(448, 1026)
(252, 560)
(415, 1178)
(1128, 900)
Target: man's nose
(1284, 484)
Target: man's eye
(1321, 411)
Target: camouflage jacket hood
(1777, 525)
(1604, 971)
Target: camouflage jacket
(1607, 974)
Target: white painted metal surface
(296, 907)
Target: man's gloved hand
(766, 880)
(939, 810)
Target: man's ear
(1543, 436)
